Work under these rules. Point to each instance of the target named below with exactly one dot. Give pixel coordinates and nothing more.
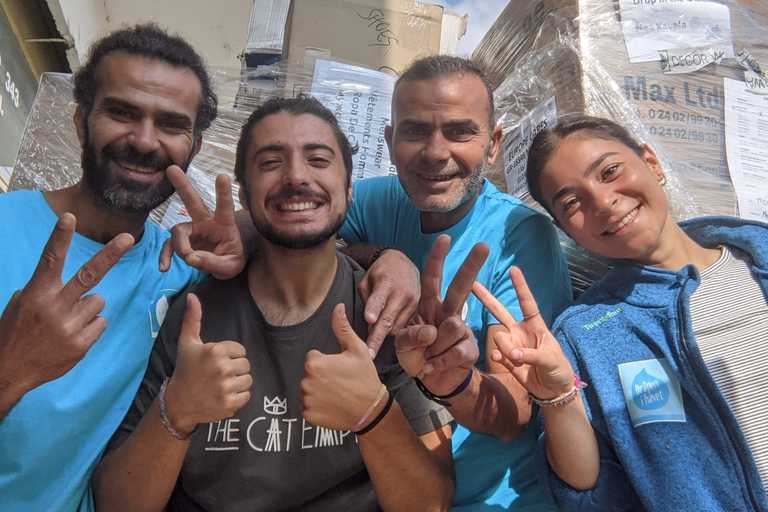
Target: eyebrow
(594, 165)
(277, 148)
(166, 115)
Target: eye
(270, 164)
(609, 172)
(460, 134)
(569, 205)
(319, 161)
(120, 113)
(173, 126)
(413, 132)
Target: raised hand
(390, 290)
(211, 381)
(441, 349)
(528, 349)
(338, 389)
(47, 327)
(210, 242)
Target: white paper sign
(746, 147)
(518, 140)
(360, 98)
(652, 26)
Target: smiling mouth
(629, 217)
(437, 178)
(297, 207)
(137, 169)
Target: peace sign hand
(528, 349)
(440, 348)
(210, 242)
(48, 326)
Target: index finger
(461, 286)
(189, 196)
(493, 305)
(528, 305)
(55, 252)
(432, 276)
(96, 268)
(225, 205)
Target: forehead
(457, 95)
(148, 83)
(292, 131)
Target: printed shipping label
(518, 140)
(689, 60)
(361, 100)
(652, 26)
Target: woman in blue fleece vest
(673, 342)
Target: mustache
(132, 156)
(300, 192)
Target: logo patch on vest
(158, 308)
(652, 392)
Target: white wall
(217, 29)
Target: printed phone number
(685, 134)
(683, 117)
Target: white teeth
(626, 220)
(437, 178)
(297, 207)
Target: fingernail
(372, 352)
(428, 369)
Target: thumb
(348, 339)
(190, 327)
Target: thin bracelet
(364, 418)
(378, 417)
(442, 399)
(565, 398)
(164, 416)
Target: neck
(94, 219)
(433, 222)
(678, 250)
(288, 285)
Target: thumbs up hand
(211, 381)
(338, 389)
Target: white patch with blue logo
(652, 392)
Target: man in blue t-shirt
(442, 137)
(78, 325)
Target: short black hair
(547, 141)
(302, 104)
(150, 41)
(435, 66)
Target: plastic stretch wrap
(49, 156)
(655, 67)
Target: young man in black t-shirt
(261, 395)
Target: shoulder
(518, 215)
(380, 189)
(20, 200)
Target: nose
(296, 172)
(143, 136)
(603, 200)
(437, 149)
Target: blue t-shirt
(490, 474)
(52, 439)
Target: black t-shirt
(267, 457)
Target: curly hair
(147, 40)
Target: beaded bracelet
(565, 398)
(442, 399)
(378, 417)
(164, 415)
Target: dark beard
(308, 241)
(120, 194)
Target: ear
(79, 119)
(493, 150)
(388, 138)
(652, 161)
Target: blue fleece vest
(668, 440)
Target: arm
(408, 472)
(210, 382)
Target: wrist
(172, 414)
(444, 398)
(378, 253)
